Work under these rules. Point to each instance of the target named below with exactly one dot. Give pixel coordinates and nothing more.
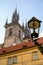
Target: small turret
(23, 25)
(27, 33)
(6, 24)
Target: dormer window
(10, 31)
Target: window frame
(10, 61)
(19, 33)
(15, 62)
(10, 32)
(35, 55)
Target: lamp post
(34, 25)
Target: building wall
(24, 57)
(1, 46)
(14, 38)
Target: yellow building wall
(24, 57)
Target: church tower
(14, 31)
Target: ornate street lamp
(34, 25)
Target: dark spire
(23, 25)
(26, 26)
(18, 16)
(15, 16)
(6, 22)
(27, 33)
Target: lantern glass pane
(34, 24)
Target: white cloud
(41, 34)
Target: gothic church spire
(15, 16)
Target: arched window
(10, 31)
(19, 33)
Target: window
(19, 33)
(10, 31)
(15, 59)
(9, 60)
(34, 55)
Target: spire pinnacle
(23, 24)
(15, 16)
(6, 21)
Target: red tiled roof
(20, 46)
(40, 40)
(16, 47)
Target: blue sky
(26, 10)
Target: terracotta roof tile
(20, 46)
(40, 40)
(16, 47)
